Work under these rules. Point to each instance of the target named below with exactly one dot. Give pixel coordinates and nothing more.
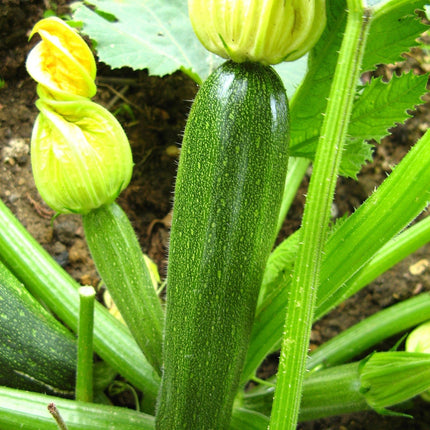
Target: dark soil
(153, 112)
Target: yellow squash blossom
(62, 62)
(264, 31)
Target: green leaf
(157, 35)
(382, 105)
(379, 107)
(396, 24)
(395, 29)
(310, 100)
(279, 265)
(154, 35)
(357, 152)
(292, 73)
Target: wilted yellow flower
(265, 31)
(62, 62)
(80, 155)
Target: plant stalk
(315, 221)
(390, 254)
(120, 262)
(27, 411)
(45, 279)
(372, 330)
(84, 372)
(378, 381)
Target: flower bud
(419, 341)
(80, 155)
(268, 32)
(62, 62)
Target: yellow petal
(62, 62)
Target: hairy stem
(315, 222)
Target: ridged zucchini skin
(37, 352)
(228, 192)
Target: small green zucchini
(37, 352)
(228, 192)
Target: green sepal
(390, 378)
(80, 155)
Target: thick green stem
(120, 262)
(397, 202)
(84, 373)
(25, 410)
(372, 330)
(45, 279)
(399, 199)
(326, 393)
(390, 254)
(315, 222)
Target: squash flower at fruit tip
(80, 155)
(264, 31)
(62, 62)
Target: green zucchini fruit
(229, 186)
(37, 352)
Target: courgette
(37, 352)
(228, 192)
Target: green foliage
(383, 103)
(394, 30)
(157, 35)
(379, 107)
(154, 35)
(310, 101)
